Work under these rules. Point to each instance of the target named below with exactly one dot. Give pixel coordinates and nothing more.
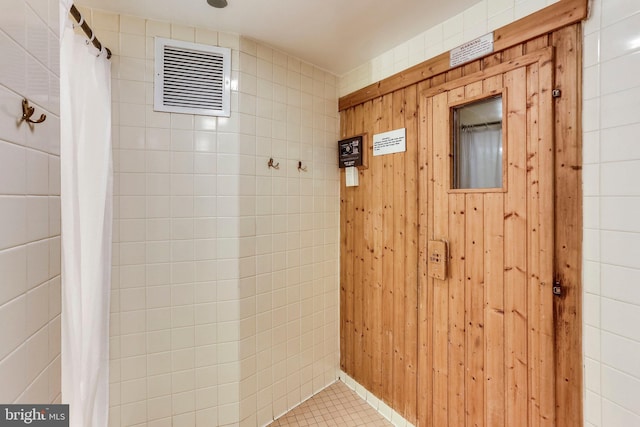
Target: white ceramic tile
(37, 33)
(527, 7)
(615, 178)
(618, 74)
(13, 370)
(131, 68)
(618, 353)
(182, 32)
(621, 214)
(132, 322)
(618, 143)
(494, 7)
(13, 268)
(13, 179)
(159, 408)
(615, 415)
(620, 388)
(620, 38)
(616, 10)
(37, 82)
(105, 20)
(132, 137)
(14, 313)
(132, 45)
(134, 413)
(37, 218)
(132, 25)
(13, 67)
(37, 173)
(37, 308)
(37, 263)
(591, 82)
(621, 283)
(620, 318)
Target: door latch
(437, 259)
(557, 288)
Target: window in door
(477, 144)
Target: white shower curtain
(480, 157)
(86, 201)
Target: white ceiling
(337, 35)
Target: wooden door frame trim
(545, 54)
(547, 20)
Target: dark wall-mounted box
(353, 152)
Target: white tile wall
(225, 272)
(29, 205)
(479, 19)
(611, 208)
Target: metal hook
(27, 112)
(272, 165)
(300, 168)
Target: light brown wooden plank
(457, 299)
(473, 90)
(425, 289)
(533, 250)
(457, 214)
(472, 67)
(453, 74)
(568, 230)
(491, 60)
(513, 52)
(411, 253)
(441, 183)
(399, 231)
(366, 186)
(539, 42)
(346, 281)
(494, 296)
(387, 264)
(343, 251)
(515, 255)
(359, 248)
(380, 125)
(474, 310)
(494, 316)
(547, 247)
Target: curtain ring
(80, 22)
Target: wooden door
(486, 331)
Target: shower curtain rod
(480, 125)
(87, 30)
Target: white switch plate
(351, 174)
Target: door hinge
(556, 93)
(557, 288)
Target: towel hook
(301, 168)
(273, 165)
(27, 112)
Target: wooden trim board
(551, 18)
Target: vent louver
(192, 78)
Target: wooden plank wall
(383, 293)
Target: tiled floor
(337, 405)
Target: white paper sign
(471, 50)
(390, 142)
